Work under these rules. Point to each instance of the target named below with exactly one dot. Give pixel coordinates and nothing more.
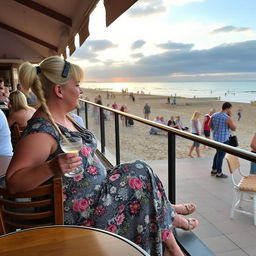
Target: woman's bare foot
(185, 224)
(184, 209)
(171, 247)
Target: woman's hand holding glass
(72, 145)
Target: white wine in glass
(72, 145)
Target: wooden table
(4, 163)
(67, 241)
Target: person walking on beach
(206, 127)
(220, 123)
(146, 111)
(196, 128)
(239, 113)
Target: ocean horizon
(240, 91)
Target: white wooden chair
(246, 184)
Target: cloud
(90, 48)
(229, 29)
(83, 53)
(226, 58)
(99, 45)
(175, 46)
(137, 55)
(137, 44)
(149, 7)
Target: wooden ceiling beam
(29, 37)
(46, 11)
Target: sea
(238, 91)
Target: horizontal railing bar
(211, 143)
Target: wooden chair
(246, 184)
(41, 206)
(16, 132)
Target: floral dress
(127, 199)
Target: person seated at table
(5, 136)
(127, 199)
(4, 93)
(30, 96)
(20, 112)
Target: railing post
(171, 168)
(86, 115)
(117, 139)
(102, 130)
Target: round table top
(66, 241)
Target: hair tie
(65, 69)
(38, 70)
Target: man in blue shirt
(220, 124)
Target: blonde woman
(20, 112)
(196, 128)
(128, 199)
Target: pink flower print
(159, 194)
(86, 151)
(74, 190)
(135, 207)
(138, 239)
(91, 201)
(100, 210)
(153, 228)
(125, 169)
(159, 184)
(112, 228)
(92, 170)
(122, 183)
(88, 223)
(120, 219)
(165, 235)
(79, 177)
(135, 183)
(81, 205)
(121, 208)
(114, 177)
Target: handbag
(233, 141)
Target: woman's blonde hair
(18, 101)
(195, 115)
(51, 71)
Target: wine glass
(72, 145)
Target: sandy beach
(137, 143)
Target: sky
(172, 40)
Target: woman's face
(71, 93)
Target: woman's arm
(28, 168)
(253, 143)
(11, 119)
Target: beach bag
(233, 141)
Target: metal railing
(172, 132)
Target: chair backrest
(41, 206)
(16, 131)
(233, 163)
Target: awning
(33, 30)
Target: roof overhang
(32, 30)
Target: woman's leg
(171, 247)
(191, 150)
(183, 223)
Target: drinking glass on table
(72, 145)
